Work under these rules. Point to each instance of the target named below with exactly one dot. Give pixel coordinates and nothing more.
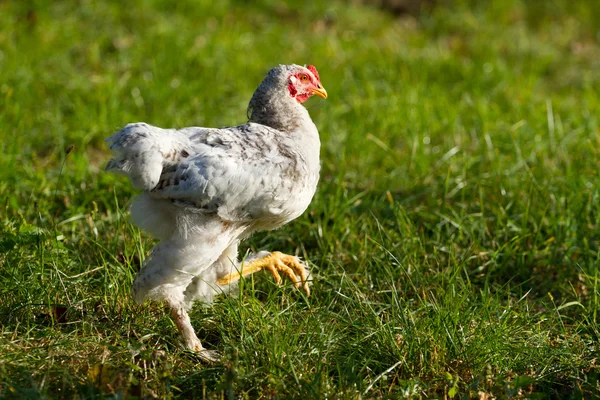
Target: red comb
(313, 69)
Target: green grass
(454, 238)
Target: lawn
(454, 238)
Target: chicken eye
(303, 78)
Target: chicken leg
(274, 262)
(184, 326)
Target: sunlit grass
(453, 240)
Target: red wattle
(302, 97)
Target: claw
(295, 270)
(194, 345)
(209, 356)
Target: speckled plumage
(206, 189)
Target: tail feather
(115, 166)
(139, 152)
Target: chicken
(206, 189)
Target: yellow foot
(274, 262)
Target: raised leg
(184, 326)
(274, 262)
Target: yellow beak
(320, 91)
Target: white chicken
(207, 189)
